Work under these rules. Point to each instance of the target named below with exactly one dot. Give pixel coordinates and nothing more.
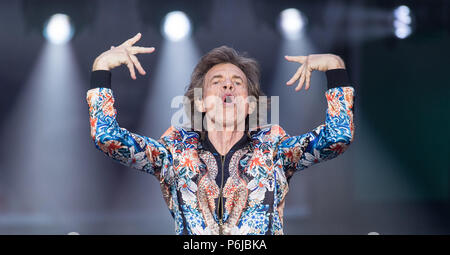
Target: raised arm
(334, 136)
(130, 149)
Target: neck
(223, 140)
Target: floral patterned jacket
(242, 192)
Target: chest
(241, 166)
(248, 159)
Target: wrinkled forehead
(225, 70)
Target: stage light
(291, 23)
(402, 22)
(58, 29)
(176, 26)
(402, 31)
(401, 14)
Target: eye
(215, 82)
(237, 83)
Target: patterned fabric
(257, 183)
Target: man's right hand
(123, 54)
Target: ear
(199, 106)
(251, 107)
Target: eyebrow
(216, 76)
(237, 77)
(221, 76)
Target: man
(221, 178)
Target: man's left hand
(320, 62)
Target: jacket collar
(241, 143)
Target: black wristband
(100, 78)
(337, 78)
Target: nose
(228, 85)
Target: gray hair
(223, 54)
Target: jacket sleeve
(329, 139)
(129, 149)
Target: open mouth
(228, 99)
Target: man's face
(225, 93)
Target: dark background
(394, 179)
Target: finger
(308, 78)
(299, 59)
(133, 40)
(131, 68)
(137, 64)
(302, 80)
(296, 76)
(138, 50)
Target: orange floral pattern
(255, 191)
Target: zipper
(220, 200)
